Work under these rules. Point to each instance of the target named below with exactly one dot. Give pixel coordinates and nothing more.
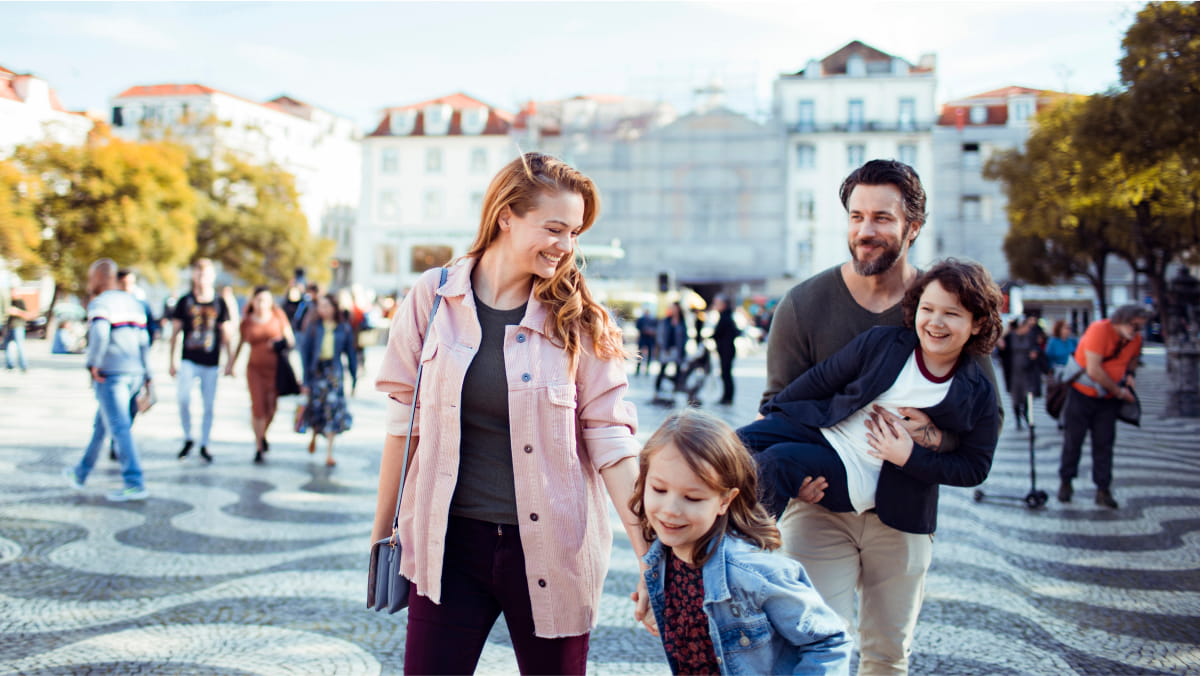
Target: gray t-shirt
(486, 490)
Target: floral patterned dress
(686, 637)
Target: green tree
(250, 220)
(128, 201)
(1061, 225)
(1115, 173)
(20, 233)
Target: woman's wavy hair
(572, 314)
(715, 453)
(977, 292)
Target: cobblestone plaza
(233, 568)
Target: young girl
(839, 420)
(722, 603)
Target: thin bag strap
(404, 467)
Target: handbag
(1131, 412)
(1057, 391)
(285, 378)
(387, 589)
(299, 424)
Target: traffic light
(664, 282)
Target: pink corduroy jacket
(563, 433)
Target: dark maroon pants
(483, 575)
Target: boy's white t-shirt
(912, 388)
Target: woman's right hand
(642, 608)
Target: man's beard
(882, 263)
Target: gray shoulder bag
(387, 589)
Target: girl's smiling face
(943, 324)
(681, 506)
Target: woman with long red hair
(521, 428)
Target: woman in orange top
(263, 325)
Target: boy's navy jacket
(853, 377)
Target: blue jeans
(786, 453)
(112, 418)
(207, 375)
(15, 336)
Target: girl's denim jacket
(765, 617)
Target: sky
(357, 58)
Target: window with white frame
(971, 155)
(969, 208)
(906, 113)
(476, 206)
(806, 156)
(856, 153)
(1021, 110)
(433, 161)
(907, 153)
(389, 205)
(855, 114)
(432, 204)
(805, 119)
(479, 161)
(389, 161)
(978, 114)
(386, 256)
(804, 205)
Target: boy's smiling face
(943, 324)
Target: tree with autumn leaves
(155, 205)
(1113, 174)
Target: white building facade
(319, 149)
(855, 105)
(425, 170)
(30, 111)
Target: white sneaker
(69, 475)
(128, 494)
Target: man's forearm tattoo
(929, 435)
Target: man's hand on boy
(914, 421)
(813, 489)
(889, 441)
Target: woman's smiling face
(540, 240)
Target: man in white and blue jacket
(117, 360)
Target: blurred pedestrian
(328, 340)
(646, 325)
(202, 317)
(1108, 354)
(517, 443)
(1061, 345)
(725, 335)
(1026, 361)
(128, 280)
(117, 360)
(16, 314)
(671, 338)
(264, 325)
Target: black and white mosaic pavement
(235, 568)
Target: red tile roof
(499, 121)
(8, 89)
(996, 104)
(278, 105)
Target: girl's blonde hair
(572, 314)
(715, 453)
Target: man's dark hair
(890, 172)
(123, 273)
